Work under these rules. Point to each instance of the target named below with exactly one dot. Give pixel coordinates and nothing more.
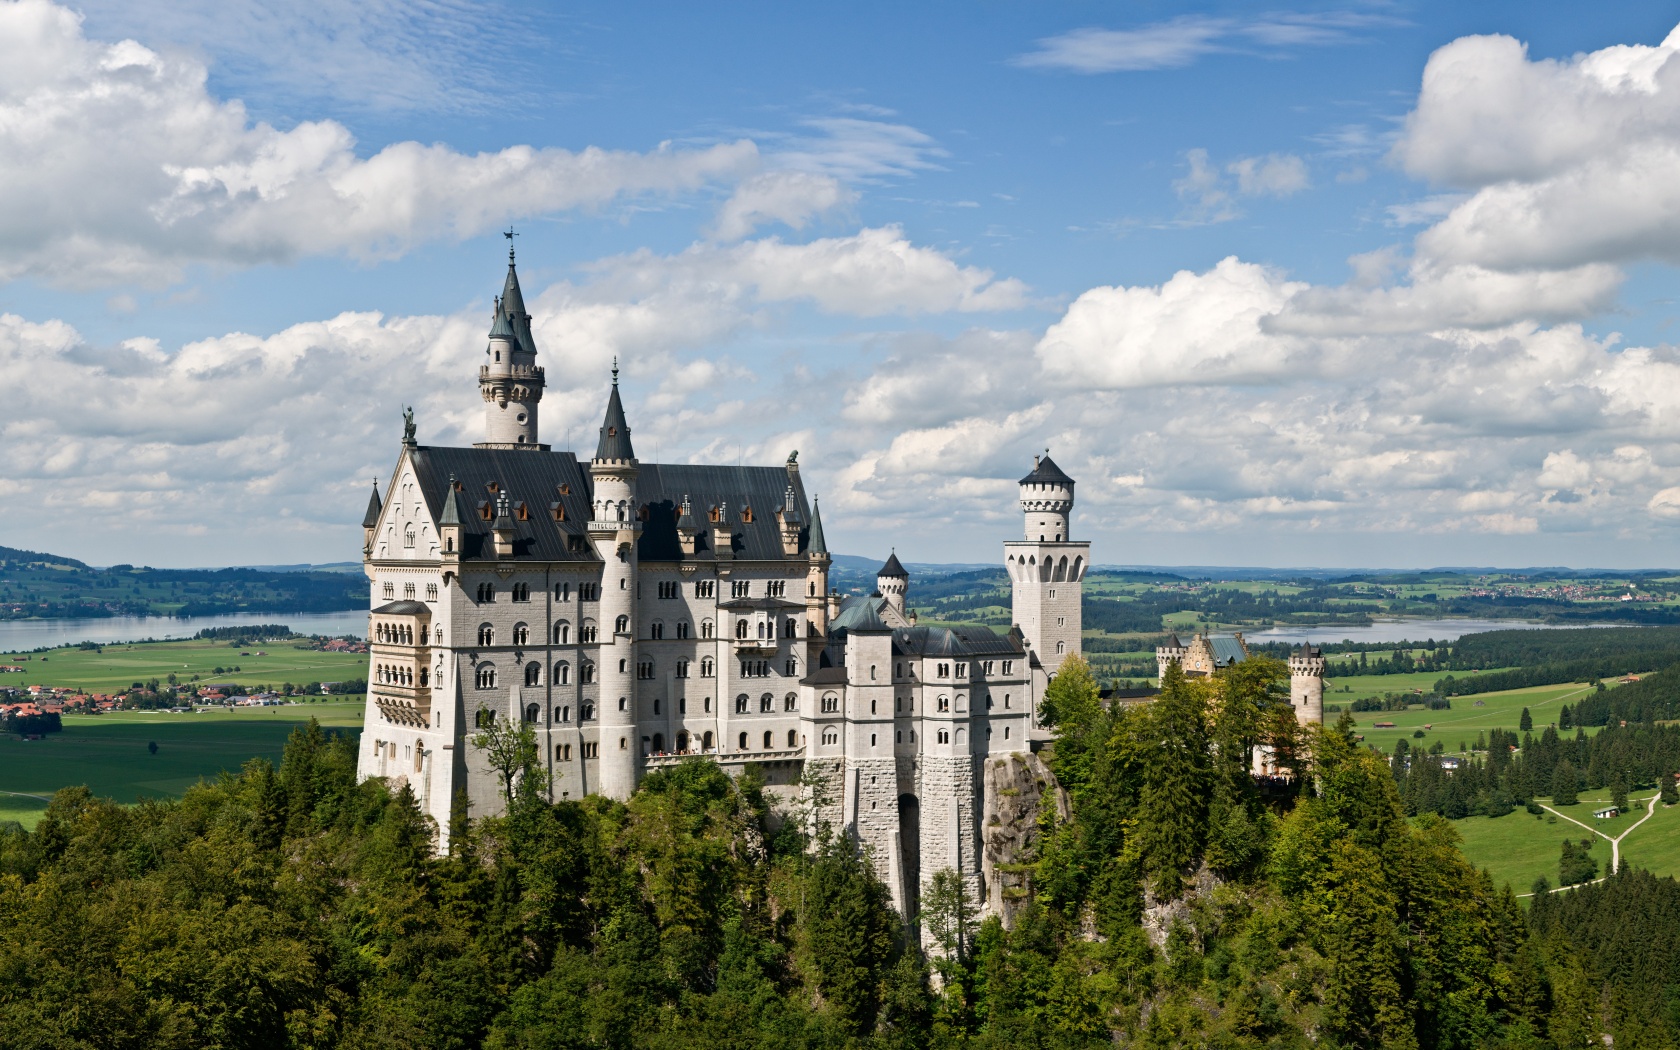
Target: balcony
(725, 757)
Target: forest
(1181, 902)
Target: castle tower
(892, 581)
(613, 529)
(510, 380)
(1306, 684)
(1047, 567)
(816, 576)
(1173, 651)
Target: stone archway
(910, 852)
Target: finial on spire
(615, 370)
(510, 235)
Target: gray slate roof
(406, 607)
(615, 430)
(817, 543)
(370, 520)
(1227, 650)
(536, 479)
(893, 568)
(1046, 473)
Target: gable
(407, 528)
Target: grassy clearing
(108, 753)
(1519, 848)
(1460, 723)
(116, 667)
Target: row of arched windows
(394, 633)
(391, 675)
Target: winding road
(1615, 843)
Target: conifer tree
(1173, 803)
(1565, 719)
(1666, 785)
(1618, 794)
(1563, 784)
(1526, 723)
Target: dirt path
(1615, 843)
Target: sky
(1330, 285)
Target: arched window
(484, 718)
(586, 713)
(521, 634)
(563, 713)
(768, 744)
(682, 741)
(486, 676)
(944, 703)
(740, 628)
(793, 738)
(425, 677)
(743, 742)
(1061, 647)
(659, 743)
(791, 668)
(586, 672)
(707, 667)
(562, 673)
(790, 702)
(766, 704)
(486, 592)
(706, 629)
(706, 740)
(656, 630)
(831, 736)
(486, 634)
(830, 704)
(621, 625)
(790, 628)
(533, 713)
(562, 633)
(741, 704)
(682, 629)
(533, 675)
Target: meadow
(1454, 727)
(114, 668)
(109, 753)
(1518, 847)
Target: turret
(816, 575)
(892, 581)
(510, 381)
(1172, 652)
(792, 522)
(688, 530)
(449, 522)
(502, 529)
(1046, 500)
(613, 531)
(1306, 684)
(370, 520)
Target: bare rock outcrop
(1015, 786)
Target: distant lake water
(1401, 630)
(24, 635)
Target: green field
(116, 667)
(108, 753)
(1456, 725)
(1518, 848)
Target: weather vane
(510, 235)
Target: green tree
(511, 750)
(948, 916)
(1618, 793)
(1566, 718)
(1577, 863)
(1564, 785)
(1665, 785)
(1176, 783)
(1526, 722)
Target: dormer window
(557, 509)
(493, 487)
(522, 512)
(713, 515)
(485, 510)
(612, 432)
(746, 515)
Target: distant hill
(13, 556)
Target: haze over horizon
(1335, 285)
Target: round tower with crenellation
(510, 380)
(1306, 684)
(614, 528)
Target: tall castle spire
(510, 380)
(615, 429)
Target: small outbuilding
(1607, 812)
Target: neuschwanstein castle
(636, 614)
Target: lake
(24, 635)
(1402, 630)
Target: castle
(636, 614)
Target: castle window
(621, 625)
(562, 592)
(589, 592)
(408, 591)
(623, 703)
(408, 537)
(790, 628)
(682, 668)
(830, 704)
(776, 588)
(944, 703)
(484, 718)
(793, 738)
(943, 670)
(486, 592)
(766, 704)
(871, 739)
(741, 704)
(586, 713)
(1009, 667)
(871, 672)
(486, 676)
(768, 740)
(563, 714)
(1006, 701)
(898, 737)
(1061, 621)
(668, 589)
(743, 742)
(521, 592)
(431, 592)
(486, 634)
(656, 630)
(533, 676)
(533, 713)
(486, 511)
(790, 702)
(682, 629)
(1052, 592)
(705, 589)
(706, 704)
(706, 629)
(562, 673)
(644, 670)
(740, 627)
(898, 670)
(587, 634)
(1061, 647)
(562, 633)
(586, 673)
(563, 752)
(390, 591)
(987, 668)
(740, 589)
(1006, 732)
(592, 749)
(944, 736)
(656, 705)
(830, 737)
(521, 634)
(962, 670)
(707, 667)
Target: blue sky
(1277, 286)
